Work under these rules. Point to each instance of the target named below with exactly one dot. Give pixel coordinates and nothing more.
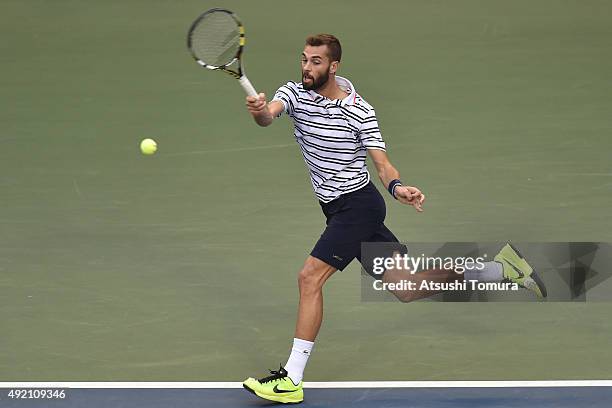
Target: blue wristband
(392, 185)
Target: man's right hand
(258, 107)
(263, 112)
(256, 104)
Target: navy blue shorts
(353, 218)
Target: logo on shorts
(337, 257)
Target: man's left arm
(390, 176)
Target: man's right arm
(263, 113)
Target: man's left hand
(411, 196)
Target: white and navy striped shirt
(333, 136)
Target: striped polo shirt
(333, 136)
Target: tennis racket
(216, 40)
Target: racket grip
(246, 85)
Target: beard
(316, 83)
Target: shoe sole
(268, 399)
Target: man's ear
(333, 67)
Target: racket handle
(246, 85)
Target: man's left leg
(509, 265)
(392, 275)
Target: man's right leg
(285, 385)
(347, 226)
(311, 279)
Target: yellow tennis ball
(148, 146)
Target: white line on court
(585, 174)
(331, 384)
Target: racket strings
(216, 39)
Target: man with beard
(334, 127)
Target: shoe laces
(276, 375)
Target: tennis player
(336, 129)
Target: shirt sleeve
(288, 95)
(370, 133)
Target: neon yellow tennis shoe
(517, 270)
(278, 387)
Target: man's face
(316, 67)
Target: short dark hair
(333, 44)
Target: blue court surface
(496, 394)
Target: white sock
(297, 359)
(492, 272)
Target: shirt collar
(346, 86)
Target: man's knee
(313, 275)
(396, 276)
(405, 296)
